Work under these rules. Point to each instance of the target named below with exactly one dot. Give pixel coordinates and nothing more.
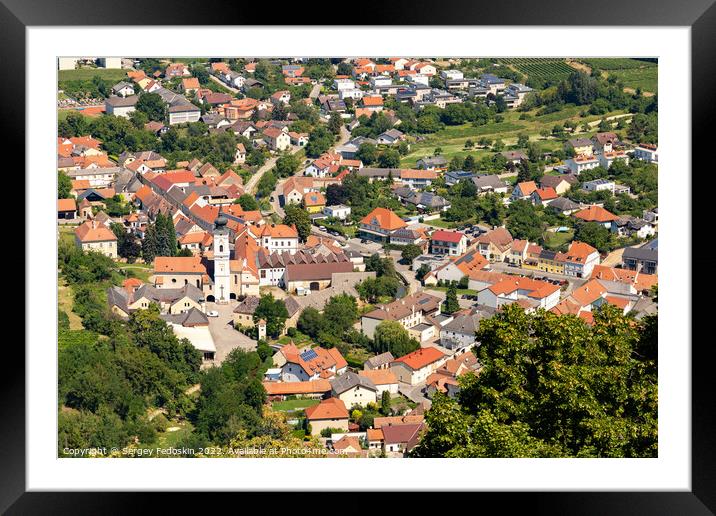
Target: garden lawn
(112, 75)
(556, 240)
(292, 405)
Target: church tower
(222, 270)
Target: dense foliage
(552, 386)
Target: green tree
(319, 141)
(152, 105)
(410, 252)
(335, 122)
(552, 386)
(367, 153)
(64, 185)
(274, 312)
(385, 406)
(248, 202)
(295, 215)
(391, 336)
(451, 304)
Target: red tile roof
(332, 408)
(420, 358)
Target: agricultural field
(452, 139)
(616, 63)
(647, 79)
(87, 74)
(633, 73)
(551, 70)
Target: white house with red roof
(415, 367)
(452, 243)
(539, 293)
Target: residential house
(541, 293)
(418, 178)
(66, 208)
(460, 332)
(244, 311)
(543, 196)
(309, 363)
(401, 439)
(646, 152)
(561, 183)
(120, 106)
(353, 389)
(330, 413)
(390, 137)
(432, 163)
(383, 379)
(379, 362)
(380, 224)
(490, 183)
(523, 190)
(494, 245)
(314, 202)
(582, 146)
(581, 162)
(580, 260)
(339, 211)
(277, 139)
(411, 312)
(96, 237)
(452, 243)
(596, 214)
(414, 368)
(312, 389)
(643, 259)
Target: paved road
(253, 181)
(343, 138)
(226, 338)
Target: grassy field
(171, 439)
(460, 291)
(452, 139)
(65, 303)
(87, 74)
(291, 405)
(645, 78)
(633, 73)
(556, 240)
(141, 271)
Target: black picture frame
(699, 15)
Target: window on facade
(221, 248)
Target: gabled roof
(93, 231)
(595, 213)
(349, 380)
(332, 408)
(447, 236)
(380, 376)
(181, 264)
(420, 358)
(384, 218)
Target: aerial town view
(357, 257)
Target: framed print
(421, 245)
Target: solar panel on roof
(308, 355)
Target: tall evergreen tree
(149, 244)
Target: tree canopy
(553, 386)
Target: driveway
(226, 338)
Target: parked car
(212, 313)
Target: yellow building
(551, 261)
(314, 202)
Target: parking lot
(226, 338)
